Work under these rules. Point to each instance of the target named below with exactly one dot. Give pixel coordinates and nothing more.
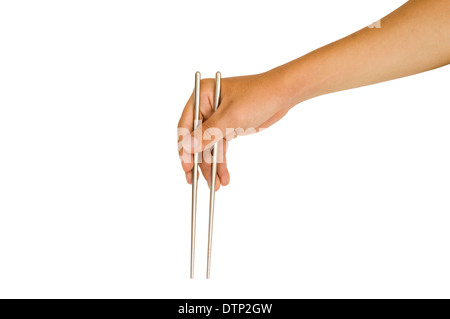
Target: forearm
(413, 39)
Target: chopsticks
(195, 177)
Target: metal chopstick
(213, 182)
(195, 172)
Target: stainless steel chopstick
(195, 172)
(213, 182)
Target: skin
(412, 39)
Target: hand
(248, 104)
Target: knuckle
(206, 88)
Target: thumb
(207, 133)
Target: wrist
(294, 82)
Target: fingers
(223, 176)
(185, 127)
(189, 177)
(206, 172)
(213, 130)
(222, 169)
(186, 122)
(210, 132)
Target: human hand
(247, 105)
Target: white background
(347, 196)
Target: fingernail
(190, 143)
(189, 177)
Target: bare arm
(412, 39)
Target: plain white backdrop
(347, 196)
